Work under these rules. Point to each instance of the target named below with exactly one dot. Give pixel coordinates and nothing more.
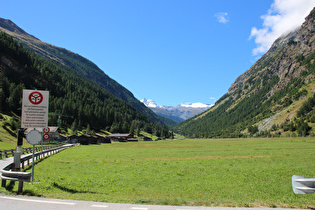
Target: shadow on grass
(66, 189)
(11, 184)
(10, 188)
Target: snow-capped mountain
(149, 103)
(197, 105)
(178, 114)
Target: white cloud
(222, 17)
(283, 17)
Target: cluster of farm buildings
(55, 136)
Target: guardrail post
(3, 182)
(20, 189)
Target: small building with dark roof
(102, 139)
(120, 137)
(147, 138)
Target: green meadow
(250, 172)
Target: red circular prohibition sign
(46, 136)
(36, 98)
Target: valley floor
(253, 172)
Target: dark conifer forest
(88, 104)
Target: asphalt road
(35, 203)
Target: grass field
(220, 172)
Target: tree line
(88, 104)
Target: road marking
(182, 209)
(139, 208)
(99, 206)
(38, 201)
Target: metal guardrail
(15, 176)
(303, 185)
(10, 153)
(7, 174)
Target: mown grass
(219, 172)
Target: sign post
(34, 115)
(45, 136)
(33, 137)
(18, 150)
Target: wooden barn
(147, 138)
(120, 137)
(88, 139)
(102, 139)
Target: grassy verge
(219, 172)
(7, 138)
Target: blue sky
(170, 51)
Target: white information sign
(35, 109)
(34, 137)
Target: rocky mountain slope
(75, 62)
(179, 113)
(270, 97)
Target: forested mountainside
(77, 63)
(274, 97)
(89, 104)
